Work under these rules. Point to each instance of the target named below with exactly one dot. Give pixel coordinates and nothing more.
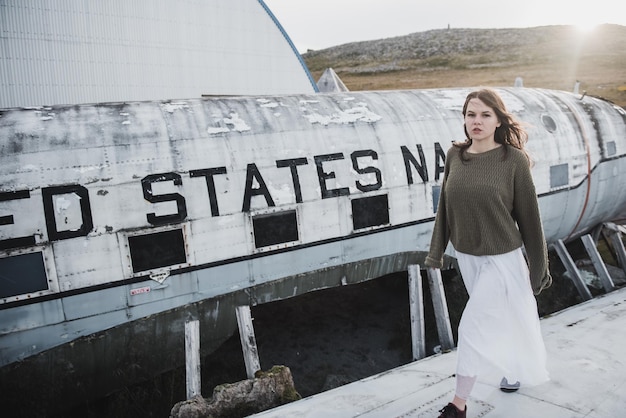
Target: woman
(488, 211)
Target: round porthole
(548, 123)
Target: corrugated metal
(66, 52)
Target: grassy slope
(552, 57)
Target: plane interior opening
(157, 250)
(334, 336)
(22, 274)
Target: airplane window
(436, 192)
(559, 175)
(370, 211)
(611, 149)
(156, 250)
(275, 228)
(21, 274)
(548, 123)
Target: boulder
(267, 390)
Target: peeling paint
(239, 124)
(218, 130)
(174, 106)
(356, 114)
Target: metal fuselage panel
(133, 209)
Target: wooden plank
(618, 246)
(248, 341)
(571, 268)
(598, 263)
(416, 304)
(192, 358)
(442, 317)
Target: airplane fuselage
(145, 214)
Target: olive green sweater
(487, 206)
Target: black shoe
(505, 386)
(451, 411)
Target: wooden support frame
(598, 263)
(416, 304)
(567, 261)
(440, 305)
(248, 341)
(618, 245)
(192, 358)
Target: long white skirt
(499, 332)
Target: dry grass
(550, 57)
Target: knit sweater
(488, 206)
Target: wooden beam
(571, 268)
(416, 304)
(598, 263)
(248, 341)
(442, 317)
(192, 358)
(618, 245)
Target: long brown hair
(510, 132)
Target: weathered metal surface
(139, 210)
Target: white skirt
(499, 332)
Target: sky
(319, 24)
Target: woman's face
(480, 121)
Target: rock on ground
(267, 390)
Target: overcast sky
(318, 24)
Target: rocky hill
(552, 57)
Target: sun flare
(586, 27)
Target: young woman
(488, 211)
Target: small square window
(21, 274)
(559, 175)
(436, 191)
(157, 250)
(275, 228)
(370, 211)
(611, 149)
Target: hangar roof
(93, 51)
